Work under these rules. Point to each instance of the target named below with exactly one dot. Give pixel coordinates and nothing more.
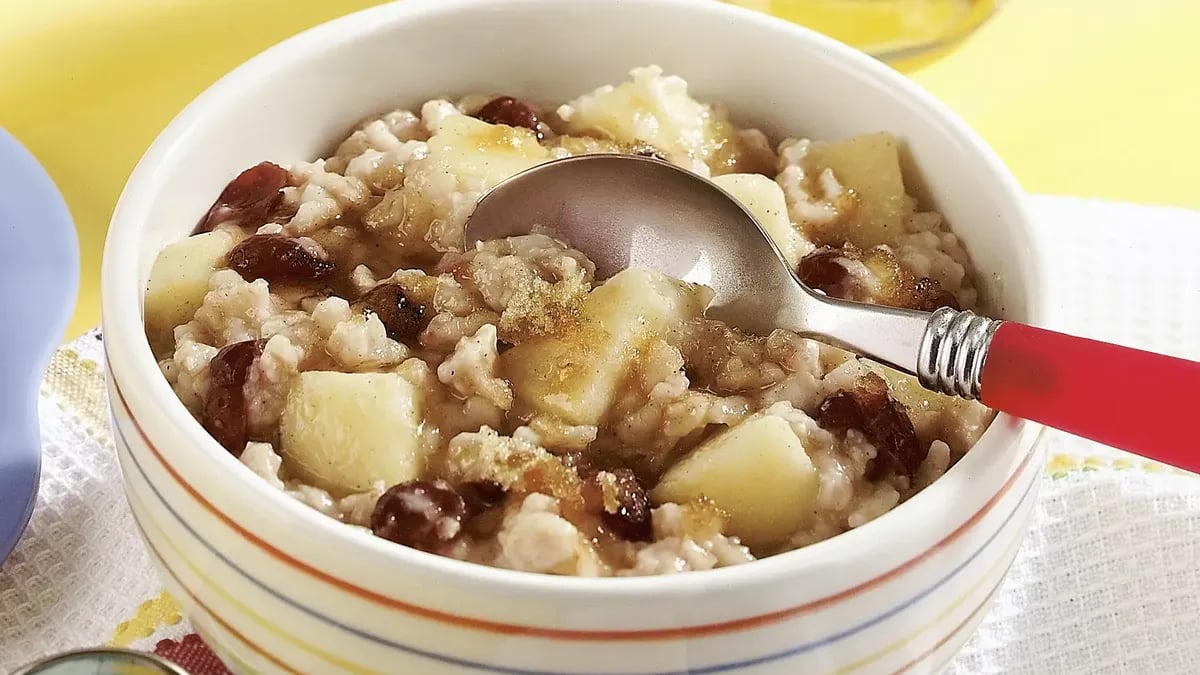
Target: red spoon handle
(1148, 404)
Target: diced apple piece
(651, 108)
(475, 150)
(869, 164)
(764, 199)
(757, 472)
(178, 283)
(344, 431)
(465, 158)
(576, 375)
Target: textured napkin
(1107, 581)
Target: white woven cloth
(1107, 582)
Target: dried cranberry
(631, 518)
(250, 199)
(822, 271)
(225, 403)
(482, 495)
(421, 514)
(510, 111)
(870, 409)
(401, 317)
(278, 259)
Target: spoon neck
(945, 349)
(889, 335)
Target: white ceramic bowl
(276, 587)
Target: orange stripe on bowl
(484, 625)
(208, 610)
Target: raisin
(400, 316)
(420, 514)
(631, 518)
(929, 295)
(481, 495)
(278, 259)
(224, 412)
(870, 409)
(250, 199)
(898, 287)
(511, 111)
(821, 270)
(581, 463)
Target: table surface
(1092, 98)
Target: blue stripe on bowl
(486, 667)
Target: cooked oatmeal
(500, 404)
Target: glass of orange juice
(888, 29)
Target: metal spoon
(632, 211)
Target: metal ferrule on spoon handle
(953, 351)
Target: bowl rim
(133, 370)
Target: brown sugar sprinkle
(224, 412)
(573, 482)
(542, 309)
(702, 519)
(870, 408)
(249, 200)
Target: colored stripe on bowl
(1004, 560)
(255, 647)
(699, 630)
(123, 446)
(147, 523)
(955, 633)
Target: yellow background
(1083, 97)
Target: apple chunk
(868, 164)
(178, 283)
(651, 108)
(757, 472)
(576, 375)
(345, 431)
(764, 199)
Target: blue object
(39, 277)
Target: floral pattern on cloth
(1105, 580)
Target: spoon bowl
(633, 211)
